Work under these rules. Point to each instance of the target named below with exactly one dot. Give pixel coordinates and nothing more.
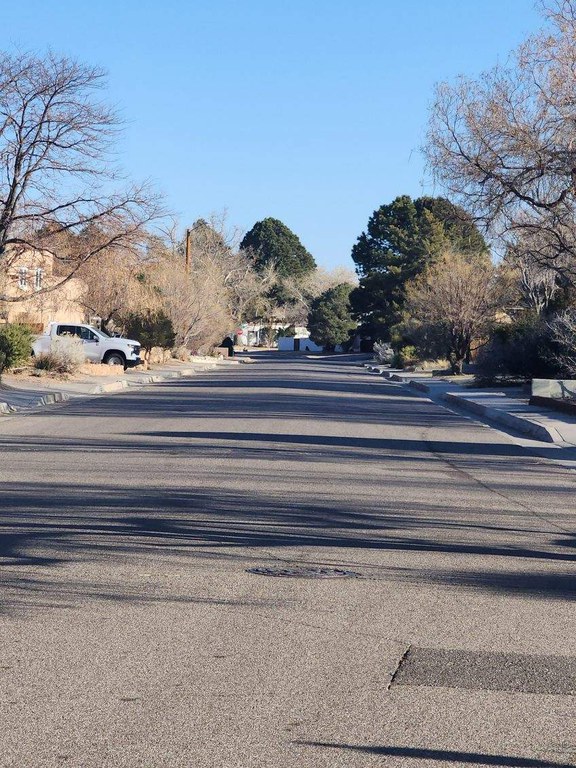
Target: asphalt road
(132, 632)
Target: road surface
(142, 622)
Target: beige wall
(60, 305)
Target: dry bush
(181, 353)
(440, 364)
(66, 356)
(453, 303)
(383, 352)
(204, 287)
(563, 333)
(196, 303)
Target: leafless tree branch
(57, 170)
(504, 145)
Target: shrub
(46, 362)
(151, 329)
(520, 350)
(405, 357)
(440, 365)
(181, 353)
(15, 345)
(268, 336)
(383, 352)
(66, 356)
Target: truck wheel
(115, 358)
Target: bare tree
(452, 304)
(249, 290)
(214, 245)
(57, 169)
(504, 145)
(196, 303)
(299, 292)
(115, 283)
(206, 286)
(188, 285)
(563, 332)
(537, 283)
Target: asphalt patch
(305, 572)
(487, 671)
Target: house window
(38, 275)
(23, 278)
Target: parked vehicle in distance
(98, 345)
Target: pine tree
(271, 241)
(402, 238)
(330, 321)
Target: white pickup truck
(99, 347)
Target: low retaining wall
(560, 389)
(566, 406)
(557, 394)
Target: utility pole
(188, 232)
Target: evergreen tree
(330, 321)
(151, 328)
(401, 239)
(271, 241)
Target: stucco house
(28, 272)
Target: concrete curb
(530, 427)
(33, 401)
(527, 426)
(111, 386)
(29, 399)
(146, 378)
(421, 386)
(54, 397)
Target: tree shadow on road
(416, 501)
(46, 526)
(324, 446)
(445, 755)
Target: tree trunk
(456, 364)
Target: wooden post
(188, 231)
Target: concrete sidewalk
(19, 394)
(507, 407)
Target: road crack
(401, 661)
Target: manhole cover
(306, 572)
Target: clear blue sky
(311, 112)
